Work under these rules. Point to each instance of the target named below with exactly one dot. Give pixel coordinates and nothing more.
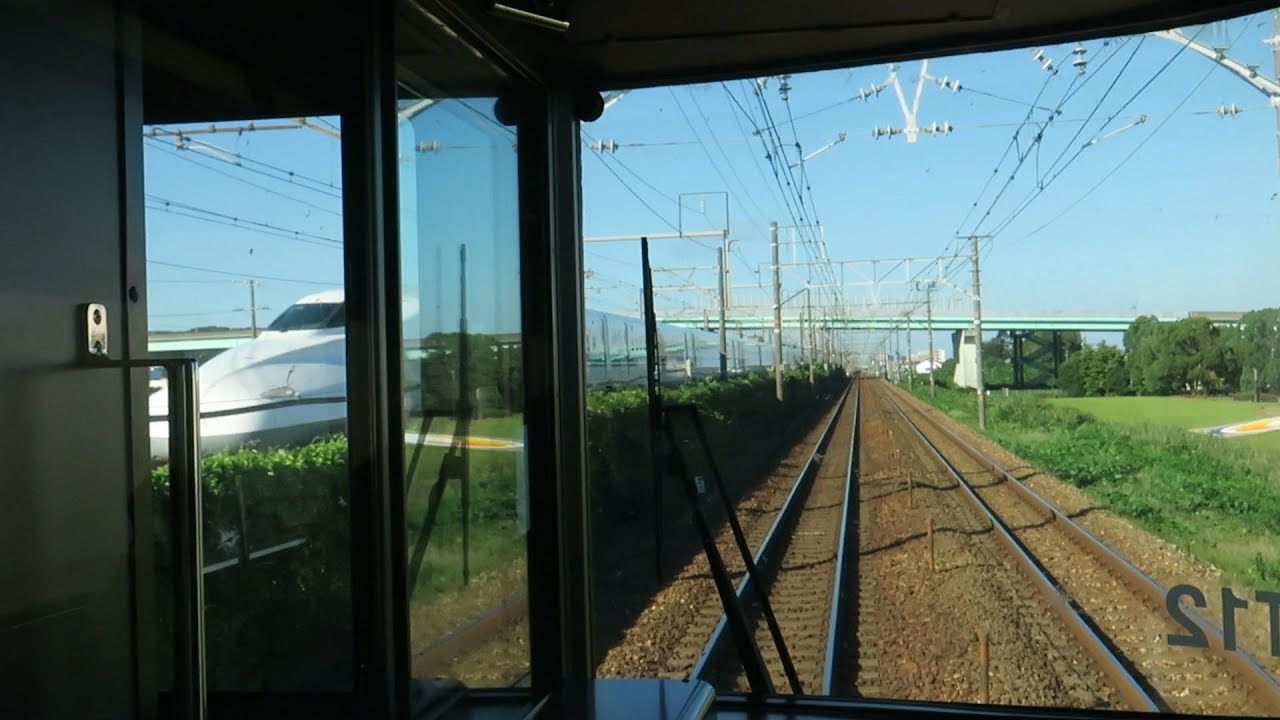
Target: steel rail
(765, 557)
(471, 634)
(1260, 681)
(846, 574)
(1130, 687)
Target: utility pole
(724, 340)
(911, 369)
(462, 428)
(928, 308)
(800, 327)
(977, 332)
(253, 305)
(813, 340)
(777, 311)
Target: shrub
(1247, 396)
(286, 615)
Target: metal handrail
(186, 518)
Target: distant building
(924, 367)
(939, 356)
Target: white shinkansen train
(288, 386)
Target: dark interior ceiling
(627, 43)
(242, 59)
(236, 59)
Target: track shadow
(921, 536)
(902, 488)
(810, 564)
(1084, 511)
(994, 482)
(1030, 526)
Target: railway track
(491, 649)
(1108, 607)
(904, 563)
(801, 564)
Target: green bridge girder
(990, 323)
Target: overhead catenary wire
(1040, 179)
(232, 273)
(278, 173)
(1022, 155)
(665, 195)
(776, 155)
(652, 210)
(782, 193)
(1071, 91)
(1042, 184)
(199, 213)
(804, 178)
(1013, 142)
(1169, 116)
(756, 218)
(186, 157)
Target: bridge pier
(966, 351)
(1043, 356)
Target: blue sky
(1187, 220)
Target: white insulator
(1080, 63)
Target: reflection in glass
(462, 358)
(237, 213)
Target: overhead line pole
(813, 339)
(911, 369)
(777, 312)
(928, 305)
(724, 342)
(977, 331)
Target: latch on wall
(96, 336)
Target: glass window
(464, 442)
(309, 316)
(1000, 421)
(245, 218)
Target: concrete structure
(966, 374)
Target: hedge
(283, 621)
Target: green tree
(1140, 348)
(1190, 355)
(1094, 371)
(945, 375)
(1071, 374)
(1257, 345)
(997, 360)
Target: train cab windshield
(310, 316)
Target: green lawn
(1218, 498)
(495, 535)
(1182, 412)
(510, 427)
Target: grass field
(1218, 498)
(1181, 412)
(509, 428)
